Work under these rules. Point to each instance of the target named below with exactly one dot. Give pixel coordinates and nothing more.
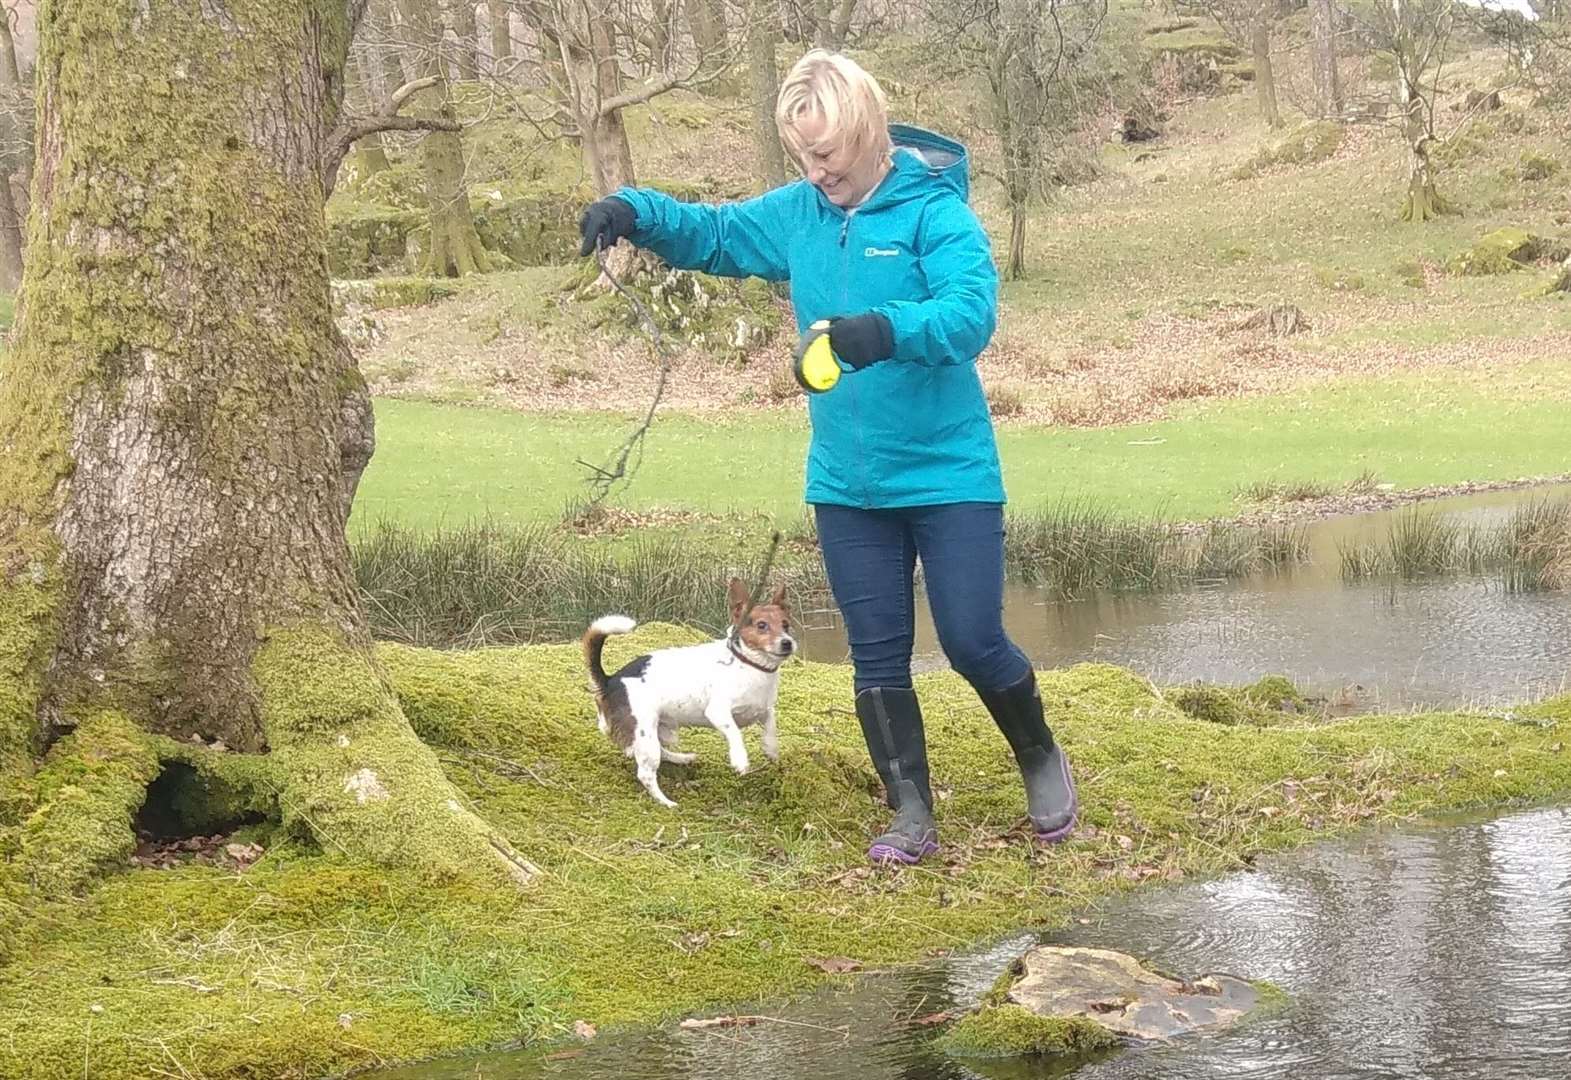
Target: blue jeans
(871, 556)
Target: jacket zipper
(856, 412)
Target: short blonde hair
(837, 88)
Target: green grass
(437, 465)
(307, 964)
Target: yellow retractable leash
(816, 367)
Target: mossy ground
(1013, 1031)
(309, 963)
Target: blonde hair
(835, 87)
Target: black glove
(862, 339)
(606, 222)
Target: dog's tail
(594, 642)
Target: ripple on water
(1425, 954)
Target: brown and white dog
(727, 684)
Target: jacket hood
(924, 161)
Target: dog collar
(751, 663)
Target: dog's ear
(736, 596)
(779, 598)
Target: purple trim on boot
(1053, 836)
(881, 854)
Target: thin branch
(606, 477)
(666, 82)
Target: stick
(617, 468)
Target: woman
(903, 463)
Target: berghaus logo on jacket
(878, 252)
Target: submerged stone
(1116, 991)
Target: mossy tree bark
(455, 247)
(181, 427)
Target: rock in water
(1117, 992)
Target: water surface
(1437, 953)
(1452, 641)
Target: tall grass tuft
(1075, 549)
(486, 583)
(1530, 551)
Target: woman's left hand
(861, 340)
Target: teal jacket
(913, 430)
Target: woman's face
(844, 175)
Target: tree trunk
(1423, 201)
(824, 24)
(707, 30)
(12, 231)
(386, 42)
(843, 19)
(543, 20)
(501, 19)
(182, 428)
(1019, 107)
(466, 52)
(1328, 85)
(370, 151)
(595, 79)
(768, 154)
(10, 70)
(1015, 270)
(1265, 78)
(16, 177)
(660, 36)
(455, 249)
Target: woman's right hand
(605, 222)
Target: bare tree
(181, 430)
(1029, 51)
(597, 42)
(1328, 86)
(1416, 34)
(455, 248)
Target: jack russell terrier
(727, 684)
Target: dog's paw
(772, 753)
(740, 764)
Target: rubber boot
(1050, 787)
(892, 725)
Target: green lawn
(446, 464)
